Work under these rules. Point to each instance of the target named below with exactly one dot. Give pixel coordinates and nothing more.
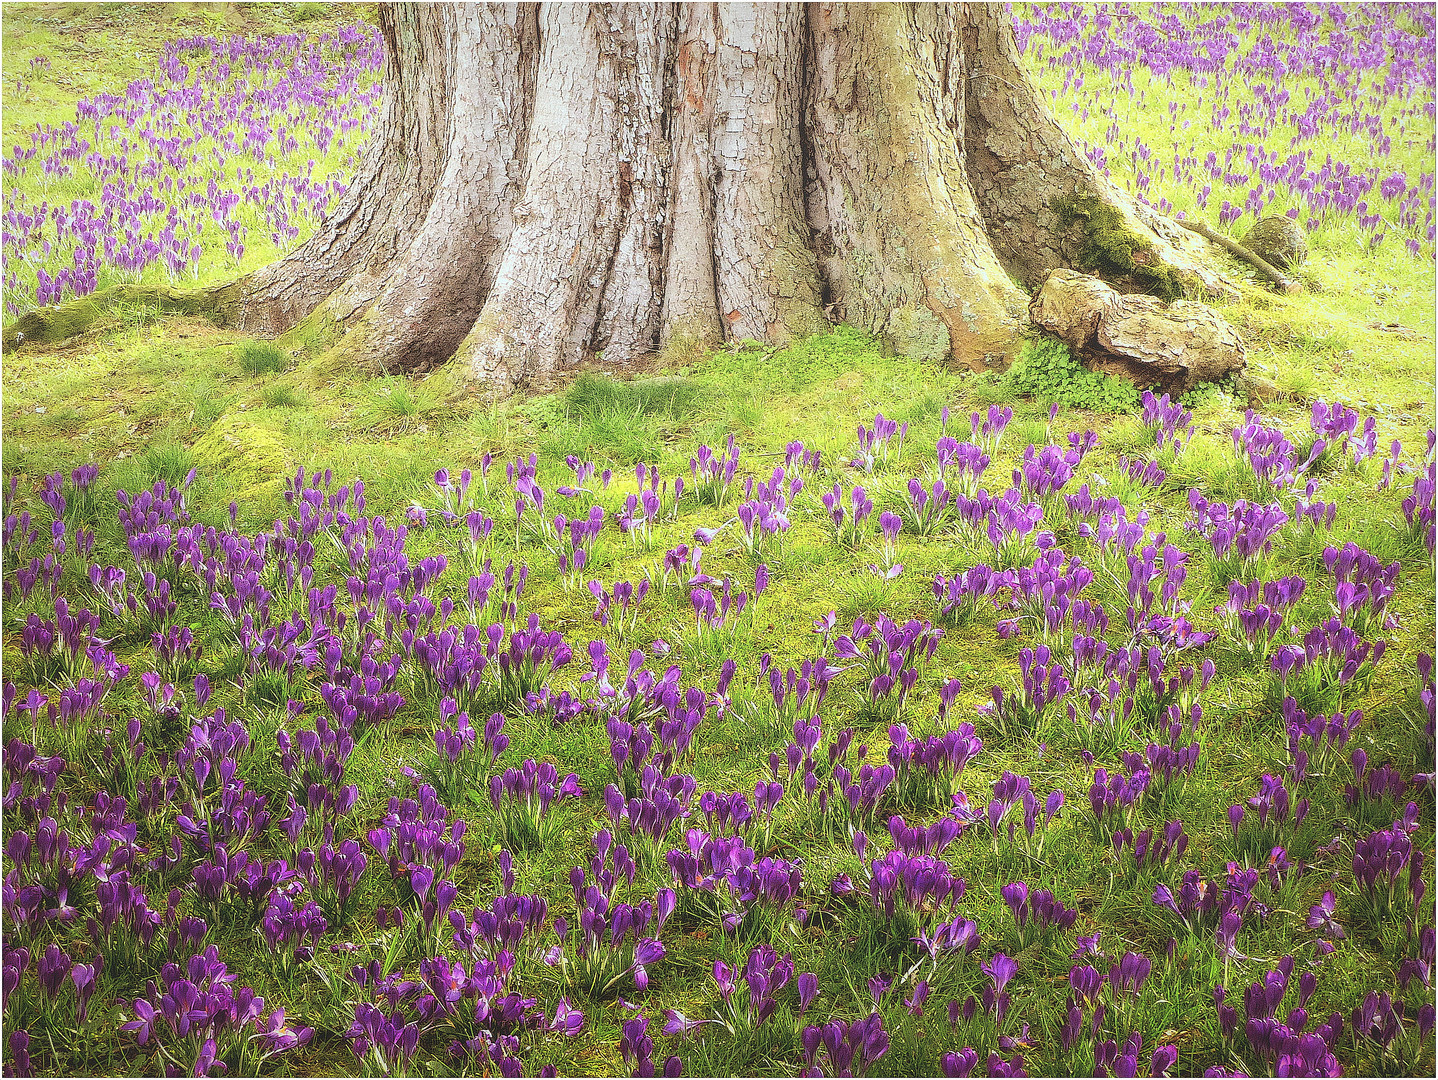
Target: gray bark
(595, 63)
(766, 276)
(691, 304)
(343, 265)
(434, 290)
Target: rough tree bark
(550, 182)
(344, 264)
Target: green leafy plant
(1045, 369)
(1218, 392)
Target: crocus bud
(808, 984)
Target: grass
(280, 396)
(260, 358)
(593, 397)
(167, 462)
(394, 405)
(136, 396)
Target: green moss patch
(1113, 250)
(251, 456)
(315, 334)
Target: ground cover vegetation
(776, 711)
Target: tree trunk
(553, 182)
(1025, 171)
(423, 299)
(891, 205)
(345, 263)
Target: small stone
(1258, 391)
(1278, 240)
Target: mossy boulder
(1278, 240)
(916, 333)
(250, 455)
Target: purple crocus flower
(1128, 975)
(808, 985)
(1000, 969)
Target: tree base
(550, 183)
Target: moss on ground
(249, 453)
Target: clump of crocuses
(890, 657)
(1042, 683)
(523, 799)
(764, 975)
(844, 1048)
(1285, 1046)
(197, 1017)
(611, 940)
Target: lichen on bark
(916, 333)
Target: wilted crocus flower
(1087, 946)
(915, 1002)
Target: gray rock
(1278, 240)
(1169, 347)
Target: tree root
(1285, 283)
(51, 324)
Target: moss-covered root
(1113, 251)
(452, 387)
(51, 324)
(313, 342)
